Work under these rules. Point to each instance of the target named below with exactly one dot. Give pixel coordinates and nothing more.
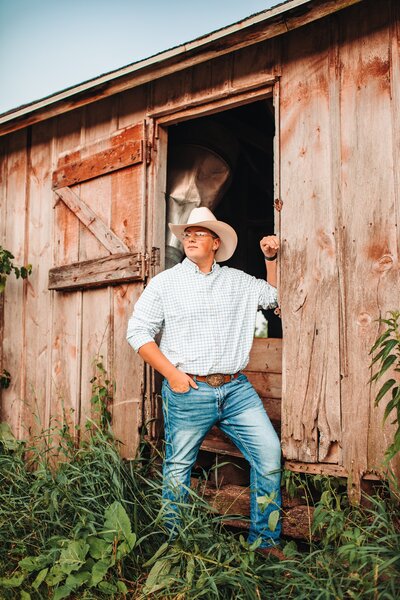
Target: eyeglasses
(200, 235)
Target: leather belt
(216, 379)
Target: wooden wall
(337, 169)
(50, 339)
(339, 134)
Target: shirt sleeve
(267, 294)
(147, 318)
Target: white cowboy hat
(203, 217)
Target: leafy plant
(102, 395)
(7, 267)
(83, 559)
(388, 347)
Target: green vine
(6, 268)
(388, 347)
(102, 396)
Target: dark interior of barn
(243, 138)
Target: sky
(49, 45)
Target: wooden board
(266, 355)
(38, 302)
(100, 163)
(311, 417)
(117, 268)
(14, 312)
(65, 374)
(369, 237)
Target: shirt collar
(188, 264)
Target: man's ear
(216, 244)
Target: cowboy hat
(203, 217)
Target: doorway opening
(234, 150)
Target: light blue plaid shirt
(206, 321)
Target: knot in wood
(385, 263)
(364, 319)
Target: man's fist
(269, 245)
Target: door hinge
(148, 152)
(150, 261)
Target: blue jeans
(238, 411)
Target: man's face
(200, 248)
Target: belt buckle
(215, 380)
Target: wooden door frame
(158, 121)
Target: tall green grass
(90, 526)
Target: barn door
(101, 264)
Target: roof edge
(278, 19)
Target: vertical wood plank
(309, 288)
(127, 217)
(38, 300)
(369, 238)
(3, 226)
(67, 307)
(127, 220)
(14, 241)
(97, 310)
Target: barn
(295, 114)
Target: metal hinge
(148, 152)
(150, 261)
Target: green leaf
(25, 595)
(62, 592)
(391, 404)
(387, 347)
(7, 437)
(99, 570)
(157, 555)
(190, 570)
(378, 342)
(107, 588)
(40, 578)
(389, 360)
(76, 580)
(99, 548)
(55, 576)
(386, 386)
(73, 556)
(122, 587)
(273, 520)
(116, 523)
(12, 582)
(125, 548)
(158, 577)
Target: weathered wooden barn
(310, 90)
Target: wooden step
(235, 500)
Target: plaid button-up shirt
(206, 321)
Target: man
(206, 315)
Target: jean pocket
(177, 393)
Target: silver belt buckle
(215, 380)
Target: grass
(91, 527)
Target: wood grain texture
(65, 396)
(117, 268)
(91, 221)
(369, 236)
(14, 312)
(266, 355)
(100, 163)
(309, 295)
(38, 302)
(127, 409)
(97, 308)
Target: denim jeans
(238, 411)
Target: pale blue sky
(48, 45)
